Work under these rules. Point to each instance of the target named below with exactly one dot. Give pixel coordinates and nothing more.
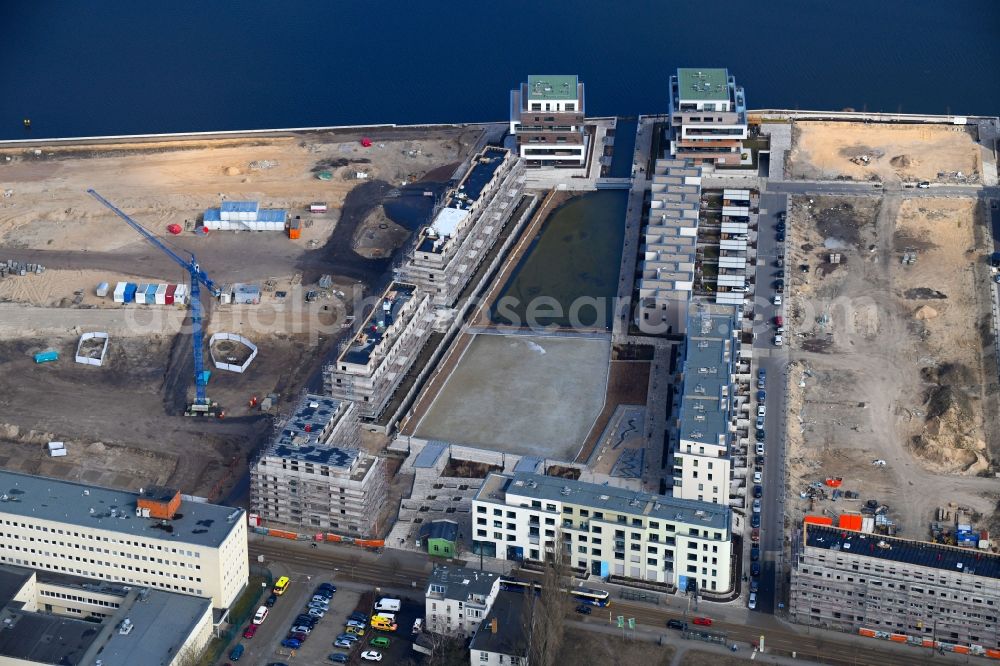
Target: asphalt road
(845, 187)
(773, 360)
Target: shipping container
(151, 294)
(120, 292)
(56, 445)
(46, 356)
(140, 293)
(161, 294)
(317, 207)
(181, 294)
(818, 520)
(130, 290)
(57, 453)
(169, 296)
(102, 289)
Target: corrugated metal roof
(213, 215)
(431, 452)
(271, 215)
(239, 206)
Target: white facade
(125, 547)
(457, 600)
(605, 530)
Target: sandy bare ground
(823, 150)
(170, 182)
(887, 358)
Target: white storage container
(161, 294)
(120, 292)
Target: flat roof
(429, 455)
(970, 561)
(702, 84)
(709, 358)
(373, 331)
(510, 638)
(479, 175)
(45, 638)
(608, 498)
(42, 498)
(239, 206)
(552, 86)
(302, 435)
(461, 583)
(160, 622)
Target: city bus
(588, 595)
(281, 585)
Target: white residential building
(546, 116)
(708, 117)
(605, 530)
(457, 599)
(502, 638)
(148, 538)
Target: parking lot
(265, 646)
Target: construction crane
(201, 406)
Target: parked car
(379, 642)
(317, 612)
(761, 378)
(354, 623)
(755, 520)
(780, 226)
(761, 396)
(339, 658)
(348, 637)
(780, 262)
(755, 535)
(760, 435)
(676, 624)
(923, 184)
(237, 652)
(703, 621)
(752, 604)
(260, 615)
(761, 410)
(357, 631)
(343, 644)
(250, 631)
(271, 600)
(754, 553)
(782, 215)
(780, 273)
(754, 584)
(755, 569)
(292, 643)
(583, 609)
(758, 476)
(781, 237)
(302, 628)
(298, 635)
(778, 340)
(358, 615)
(760, 448)
(777, 299)
(758, 491)
(320, 599)
(756, 506)
(371, 655)
(303, 619)
(779, 286)
(760, 421)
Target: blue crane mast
(198, 278)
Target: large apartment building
(448, 251)
(374, 362)
(605, 530)
(701, 457)
(669, 250)
(853, 581)
(153, 538)
(313, 475)
(457, 599)
(708, 117)
(546, 116)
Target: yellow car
(357, 631)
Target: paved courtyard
(525, 394)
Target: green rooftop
(552, 87)
(703, 85)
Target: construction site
(121, 419)
(885, 152)
(892, 361)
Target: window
(570, 106)
(484, 656)
(550, 507)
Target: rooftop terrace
(378, 322)
(947, 558)
(552, 87)
(703, 85)
(42, 498)
(708, 361)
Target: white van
(392, 605)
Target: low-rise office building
(313, 475)
(669, 250)
(54, 619)
(457, 599)
(502, 638)
(374, 362)
(447, 252)
(546, 117)
(244, 216)
(853, 581)
(153, 538)
(708, 117)
(605, 530)
(701, 456)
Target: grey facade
(850, 581)
(312, 474)
(447, 252)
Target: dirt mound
(232, 171)
(901, 161)
(925, 312)
(955, 374)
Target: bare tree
(545, 614)
(448, 651)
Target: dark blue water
(122, 67)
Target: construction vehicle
(201, 406)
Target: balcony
(582, 527)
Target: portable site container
(294, 229)
(168, 298)
(102, 289)
(317, 207)
(130, 290)
(181, 294)
(151, 294)
(140, 293)
(161, 294)
(120, 292)
(46, 356)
